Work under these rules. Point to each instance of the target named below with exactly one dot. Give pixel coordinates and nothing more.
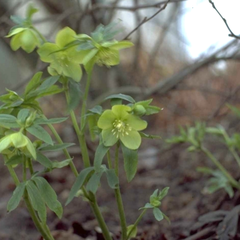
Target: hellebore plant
(118, 128)
(220, 177)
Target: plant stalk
(136, 223)
(221, 168)
(119, 198)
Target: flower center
(120, 128)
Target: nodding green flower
(119, 124)
(25, 38)
(63, 61)
(106, 53)
(18, 141)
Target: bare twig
(224, 20)
(167, 84)
(146, 19)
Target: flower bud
(139, 110)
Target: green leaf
(16, 19)
(8, 121)
(49, 196)
(16, 197)
(23, 114)
(101, 151)
(145, 135)
(37, 200)
(56, 147)
(50, 121)
(112, 178)
(163, 193)
(94, 182)
(30, 11)
(75, 95)
(17, 159)
(54, 89)
(213, 130)
(121, 96)
(43, 87)
(158, 214)
(147, 206)
(33, 83)
(131, 231)
(97, 110)
(61, 164)
(130, 162)
(40, 133)
(43, 160)
(166, 217)
(79, 183)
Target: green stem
(80, 135)
(109, 160)
(136, 223)
(231, 149)
(221, 168)
(30, 166)
(65, 151)
(24, 168)
(119, 199)
(235, 155)
(84, 103)
(13, 175)
(35, 219)
(99, 217)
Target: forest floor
(158, 168)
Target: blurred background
(183, 58)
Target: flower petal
(136, 122)
(121, 45)
(16, 42)
(121, 111)
(131, 141)
(18, 140)
(106, 120)
(5, 143)
(28, 41)
(45, 52)
(65, 36)
(73, 70)
(108, 138)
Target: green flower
(106, 53)
(25, 38)
(119, 124)
(63, 61)
(17, 141)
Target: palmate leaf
(101, 151)
(34, 83)
(43, 160)
(37, 200)
(94, 181)
(8, 121)
(49, 196)
(56, 147)
(112, 178)
(158, 214)
(130, 162)
(79, 183)
(121, 96)
(40, 133)
(16, 197)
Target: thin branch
(146, 19)
(224, 20)
(167, 84)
